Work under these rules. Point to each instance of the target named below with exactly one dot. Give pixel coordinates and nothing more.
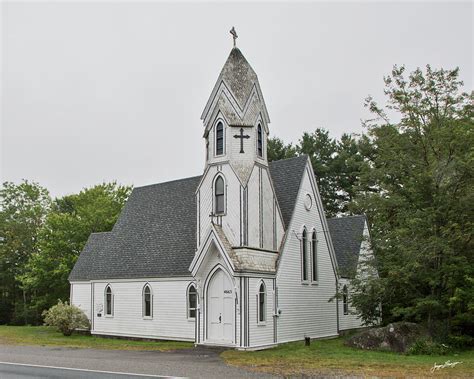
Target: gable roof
(155, 235)
(347, 235)
(286, 175)
(90, 254)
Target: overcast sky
(96, 92)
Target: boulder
(397, 337)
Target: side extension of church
(241, 256)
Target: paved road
(104, 364)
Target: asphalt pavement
(21, 362)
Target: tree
(418, 191)
(23, 209)
(276, 150)
(66, 229)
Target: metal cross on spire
(242, 136)
(234, 34)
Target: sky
(104, 91)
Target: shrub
(66, 318)
(428, 347)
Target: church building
(240, 256)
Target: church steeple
(237, 106)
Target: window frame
(216, 131)
(304, 256)
(108, 288)
(144, 315)
(262, 310)
(188, 302)
(260, 150)
(314, 257)
(345, 300)
(214, 193)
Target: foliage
(276, 150)
(426, 346)
(23, 209)
(417, 190)
(66, 229)
(66, 318)
(49, 336)
(336, 162)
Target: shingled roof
(286, 175)
(91, 253)
(347, 235)
(155, 235)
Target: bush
(66, 318)
(428, 347)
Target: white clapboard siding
(169, 319)
(231, 219)
(261, 334)
(305, 310)
(350, 320)
(81, 296)
(253, 190)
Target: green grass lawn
(329, 357)
(47, 336)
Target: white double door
(220, 295)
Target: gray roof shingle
(155, 236)
(286, 175)
(90, 254)
(347, 235)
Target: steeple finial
(234, 35)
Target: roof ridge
(343, 217)
(291, 158)
(169, 181)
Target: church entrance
(220, 309)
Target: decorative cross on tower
(234, 34)
(241, 136)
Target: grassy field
(46, 336)
(331, 357)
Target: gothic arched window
(304, 256)
(345, 300)
(219, 139)
(219, 191)
(109, 301)
(147, 301)
(262, 302)
(314, 260)
(192, 301)
(259, 141)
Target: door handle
(220, 318)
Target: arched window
(147, 301)
(345, 299)
(219, 139)
(262, 303)
(314, 260)
(259, 141)
(219, 190)
(192, 301)
(109, 301)
(304, 256)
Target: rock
(396, 337)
